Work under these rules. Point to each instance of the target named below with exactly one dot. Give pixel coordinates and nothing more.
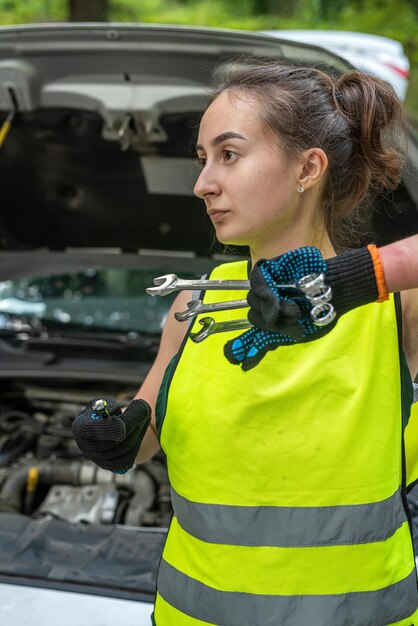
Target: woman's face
(247, 182)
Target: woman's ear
(314, 165)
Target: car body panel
(374, 54)
(29, 606)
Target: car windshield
(105, 300)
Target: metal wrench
(210, 327)
(170, 282)
(196, 307)
(312, 285)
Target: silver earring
(301, 189)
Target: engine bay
(43, 474)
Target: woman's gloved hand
(279, 310)
(111, 438)
(282, 316)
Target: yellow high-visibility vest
(411, 447)
(288, 481)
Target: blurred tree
(329, 9)
(88, 10)
(276, 7)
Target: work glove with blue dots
(282, 316)
(111, 438)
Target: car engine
(43, 473)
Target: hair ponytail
(375, 117)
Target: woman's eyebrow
(222, 137)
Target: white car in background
(373, 54)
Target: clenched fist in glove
(111, 438)
(282, 316)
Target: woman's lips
(216, 216)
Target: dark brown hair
(356, 119)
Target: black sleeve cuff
(352, 279)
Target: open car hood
(100, 155)
(101, 149)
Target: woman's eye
(229, 155)
(202, 161)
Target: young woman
(284, 444)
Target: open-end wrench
(196, 307)
(170, 282)
(210, 327)
(312, 286)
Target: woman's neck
(289, 241)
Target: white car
(376, 55)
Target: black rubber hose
(17, 446)
(12, 420)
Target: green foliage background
(398, 20)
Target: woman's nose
(206, 184)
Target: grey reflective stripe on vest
(225, 608)
(284, 526)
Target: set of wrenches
(312, 286)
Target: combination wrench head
(323, 314)
(164, 285)
(319, 295)
(193, 309)
(207, 323)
